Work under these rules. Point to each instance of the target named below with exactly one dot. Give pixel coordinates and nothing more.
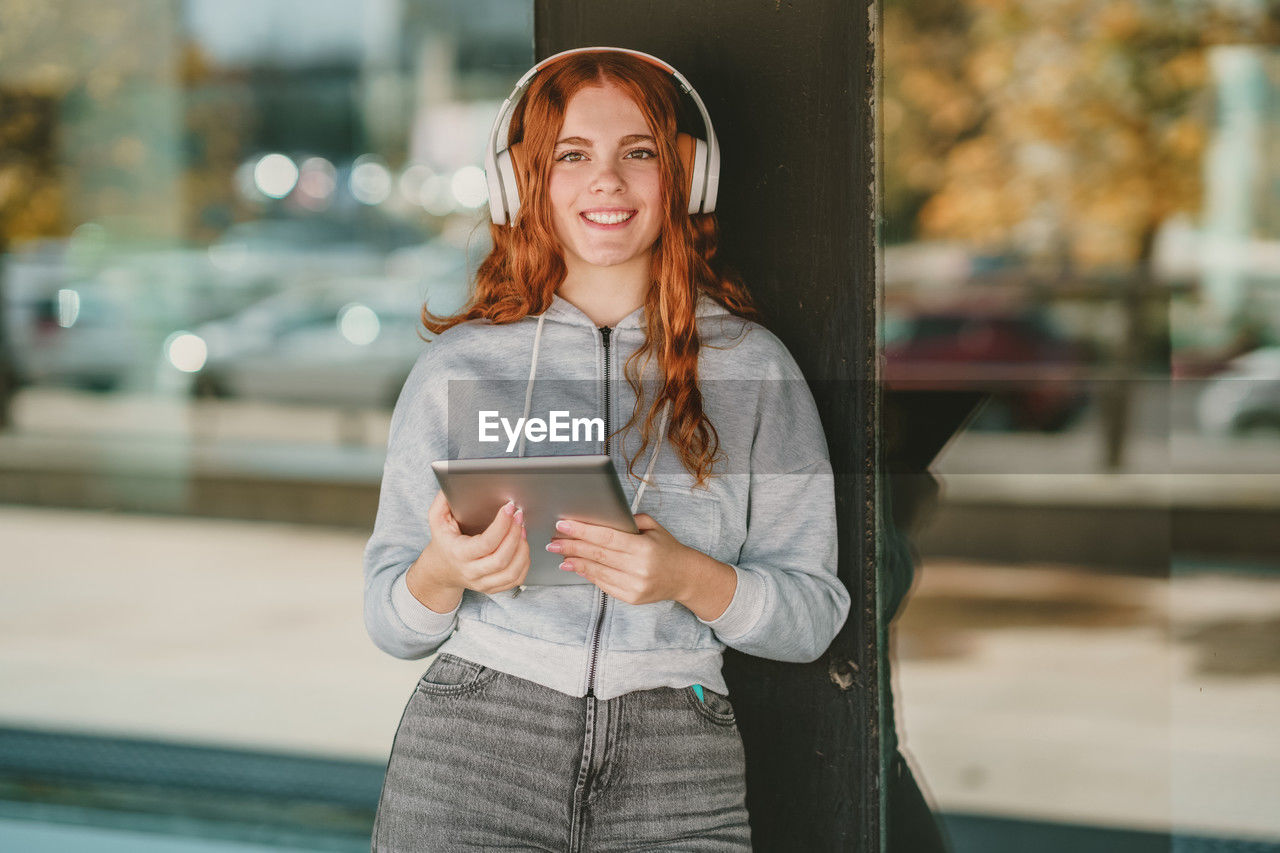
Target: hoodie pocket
(693, 518)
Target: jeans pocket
(716, 707)
(450, 675)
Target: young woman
(594, 716)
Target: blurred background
(1081, 226)
(219, 221)
(218, 224)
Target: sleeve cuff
(417, 615)
(744, 610)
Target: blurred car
(59, 329)
(348, 342)
(1245, 396)
(1035, 376)
(97, 327)
(82, 336)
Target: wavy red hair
(526, 265)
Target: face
(605, 189)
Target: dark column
(789, 87)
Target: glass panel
(219, 221)
(1082, 286)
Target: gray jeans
(483, 760)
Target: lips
(608, 218)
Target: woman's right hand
(493, 560)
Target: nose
(607, 178)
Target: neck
(605, 294)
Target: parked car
(83, 336)
(1245, 396)
(349, 342)
(1035, 376)
(98, 328)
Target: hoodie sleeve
(397, 622)
(789, 603)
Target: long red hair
(526, 265)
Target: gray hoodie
(769, 511)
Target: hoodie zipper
(605, 331)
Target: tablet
(548, 488)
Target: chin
(608, 260)
(608, 257)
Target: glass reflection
(1080, 222)
(219, 223)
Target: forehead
(602, 111)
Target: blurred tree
(103, 65)
(107, 79)
(30, 202)
(91, 111)
(1065, 132)
(218, 120)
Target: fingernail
(568, 567)
(519, 517)
(564, 527)
(554, 547)
(509, 507)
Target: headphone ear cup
(698, 200)
(504, 208)
(693, 155)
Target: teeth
(608, 218)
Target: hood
(564, 311)
(561, 310)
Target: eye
(647, 154)
(571, 157)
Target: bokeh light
(317, 179)
(358, 323)
(275, 175)
(469, 186)
(370, 180)
(186, 351)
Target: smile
(612, 217)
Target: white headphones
(701, 157)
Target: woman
(594, 716)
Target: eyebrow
(626, 140)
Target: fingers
(520, 568)
(586, 551)
(439, 509)
(596, 534)
(609, 579)
(487, 541)
(645, 522)
(506, 550)
(510, 563)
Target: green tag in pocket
(697, 688)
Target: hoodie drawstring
(533, 371)
(653, 457)
(528, 402)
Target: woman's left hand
(638, 568)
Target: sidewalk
(1025, 691)
(1045, 692)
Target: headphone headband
(504, 200)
